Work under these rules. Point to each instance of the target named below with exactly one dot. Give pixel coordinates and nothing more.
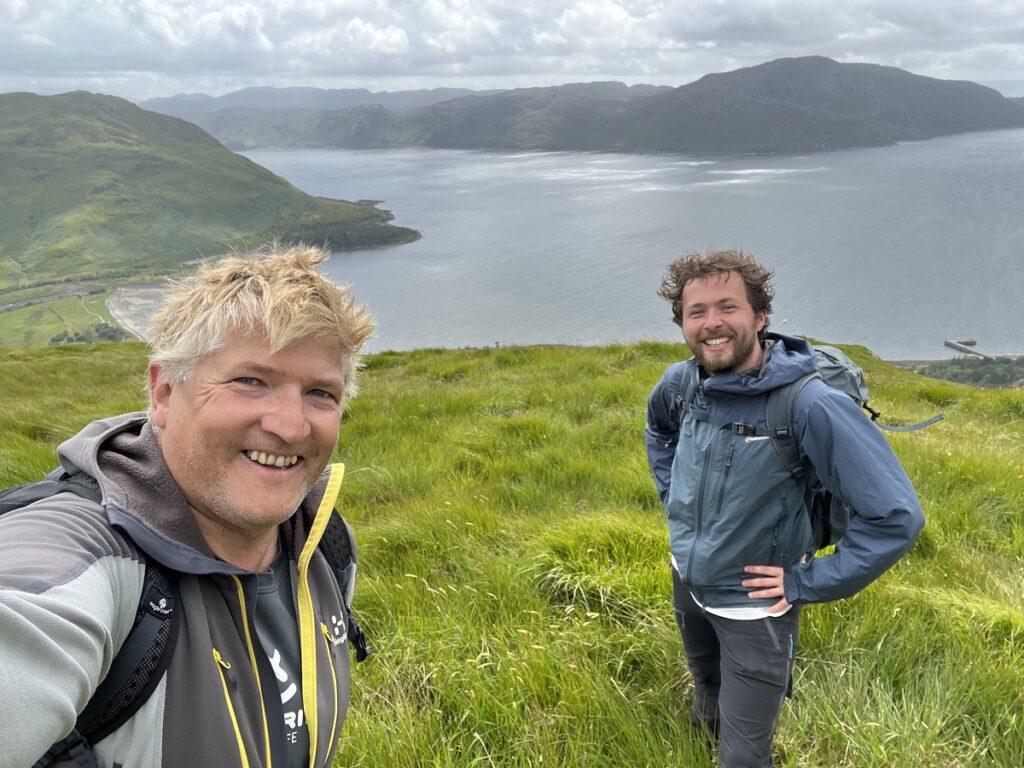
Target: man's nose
(286, 417)
(713, 319)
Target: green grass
(514, 577)
(35, 325)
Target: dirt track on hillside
(134, 306)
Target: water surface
(896, 248)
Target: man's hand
(770, 584)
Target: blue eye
(323, 394)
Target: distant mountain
(187, 104)
(555, 117)
(789, 105)
(93, 186)
(812, 104)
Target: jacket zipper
(775, 533)
(725, 479)
(255, 668)
(329, 644)
(222, 666)
(700, 511)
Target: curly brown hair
(694, 265)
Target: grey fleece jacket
(729, 502)
(71, 574)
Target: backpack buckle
(357, 638)
(743, 429)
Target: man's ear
(160, 388)
(762, 321)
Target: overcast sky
(145, 48)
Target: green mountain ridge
(795, 105)
(93, 187)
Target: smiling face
(719, 324)
(249, 433)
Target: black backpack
(829, 515)
(140, 664)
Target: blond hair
(276, 291)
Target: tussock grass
(514, 576)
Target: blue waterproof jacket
(730, 502)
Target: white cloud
(179, 45)
(370, 38)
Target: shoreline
(133, 306)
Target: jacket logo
(340, 630)
(755, 438)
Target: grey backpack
(830, 515)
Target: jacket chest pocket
(749, 507)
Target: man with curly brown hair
(743, 561)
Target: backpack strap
(779, 417)
(54, 482)
(338, 548)
(908, 427)
(73, 748)
(139, 665)
(144, 657)
(684, 401)
(686, 390)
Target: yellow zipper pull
(327, 633)
(220, 659)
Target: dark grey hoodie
(70, 582)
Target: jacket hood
(142, 499)
(786, 359)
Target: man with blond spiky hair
(225, 482)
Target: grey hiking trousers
(741, 674)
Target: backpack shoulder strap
(55, 481)
(779, 417)
(134, 673)
(139, 665)
(685, 389)
(144, 657)
(339, 549)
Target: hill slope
(92, 186)
(514, 570)
(788, 105)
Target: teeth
(716, 342)
(272, 460)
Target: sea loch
(896, 248)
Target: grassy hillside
(514, 575)
(93, 187)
